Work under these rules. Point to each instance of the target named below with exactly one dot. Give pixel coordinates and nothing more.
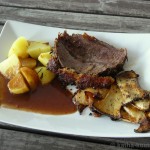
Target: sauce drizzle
(47, 99)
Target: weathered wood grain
(1, 26)
(28, 141)
(75, 20)
(138, 8)
(119, 142)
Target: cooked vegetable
(10, 66)
(82, 96)
(44, 58)
(28, 62)
(30, 76)
(19, 47)
(111, 104)
(36, 48)
(144, 126)
(86, 97)
(17, 85)
(129, 86)
(134, 115)
(45, 75)
(142, 104)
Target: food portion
(87, 55)
(17, 85)
(10, 66)
(31, 77)
(21, 66)
(44, 75)
(28, 62)
(19, 47)
(36, 48)
(110, 102)
(129, 86)
(94, 67)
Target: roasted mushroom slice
(129, 86)
(86, 97)
(143, 104)
(131, 114)
(136, 116)
(111, 104)
(144, 126)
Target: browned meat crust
(85, 81)
(69, 76)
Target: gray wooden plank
(1, 26)
(118, 142)
(75, 20)
(138, 8)
(20, 140)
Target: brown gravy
(47, 99)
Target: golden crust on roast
(86, 81)
(69, 76)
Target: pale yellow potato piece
(45, 75)
(28, 62)
(36, 48)
(19, 47)
(30, 76)
(10, 66)
(44, 58)
(17, 85)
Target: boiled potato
(36, 48)
(28, 62)
(17, 85)
(44, 58)
(45, 75)
(10, 66)
(30, 76)
(19, 47)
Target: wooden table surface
(97, 15)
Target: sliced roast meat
(87, 55)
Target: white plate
(138, 47)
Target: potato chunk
(45, 75)
(28, 62)
(132, 114)
(143, 104)
(44, 58)
(10, 66)
(19, 47)
(17, 85)
(36, 48)
(30, 76)
(129, 87)
(111, 104)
